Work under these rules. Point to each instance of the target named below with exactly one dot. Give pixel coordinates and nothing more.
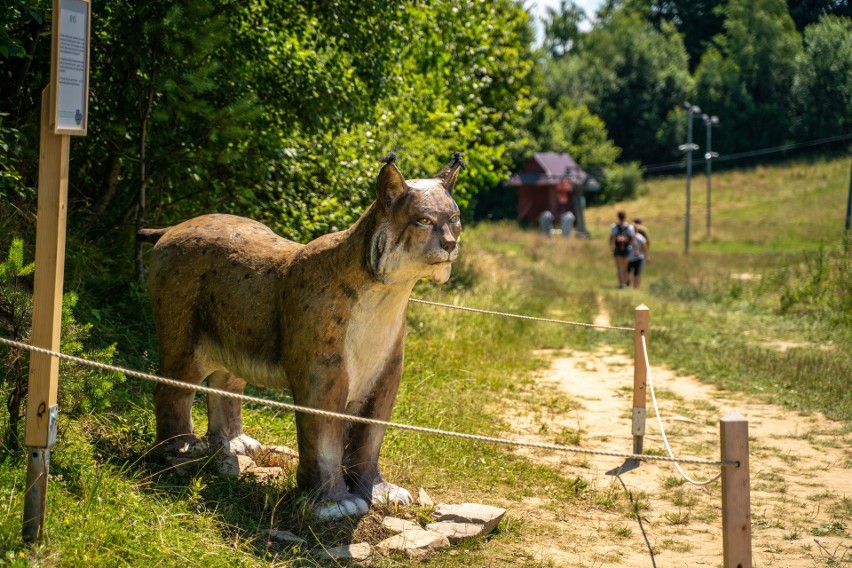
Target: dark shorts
(636, 266)
(617, 252)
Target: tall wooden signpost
(64, 113)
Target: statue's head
(420, 226)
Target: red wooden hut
(548, 180)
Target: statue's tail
(150, 235)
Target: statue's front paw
(387, 493)
(337, 510)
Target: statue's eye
(424, 221)
(455, 219)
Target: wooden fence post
(640, 377)
(64, 113)
(47, 318)
(736, 494)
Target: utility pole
(849, 206)
(688, 147)
(709, 123)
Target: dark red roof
(554, 164)
(548, 168)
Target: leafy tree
(574, 129)
(22, 77)
(746, 80)
(698, 21)
(21, 28)
(459, 80)
(823, 87)
(631, 75)
(807, 12)
(562, 28)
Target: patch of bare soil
(801, 481)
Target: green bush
(620, 182)
(821, 285)
(81, 389)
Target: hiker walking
(636, 259)
(642, 230)
(621, 239)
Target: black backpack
(622, 238)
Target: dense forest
(279, 110)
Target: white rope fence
(358, 419)
(519, 316)
(660, 423)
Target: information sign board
(70, 69)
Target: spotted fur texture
(234, 303)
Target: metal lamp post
(688, 147)
(709, 123)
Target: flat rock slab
(415, 543)
(397, 526)
(357, 552)
(471, 513)
(283, 536)
(457, 532)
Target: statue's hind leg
(225, 415)
(173, 405)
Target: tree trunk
(143, 184)
(25, 63)
(108, 185)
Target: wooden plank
(736, 492)
(640, 376)
(49, 273)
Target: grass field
(764, 306)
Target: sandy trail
(801, 473)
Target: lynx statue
(234, 303)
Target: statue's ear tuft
(450, 172)
(390, 184)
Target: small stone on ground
(397, 526)
(457, 532)
(414, 543)
(424, 499)
(474, 513)
(357, 552)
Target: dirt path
(801, 473)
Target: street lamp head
(694, 109)
(710, 120)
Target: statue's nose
(448, 245)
